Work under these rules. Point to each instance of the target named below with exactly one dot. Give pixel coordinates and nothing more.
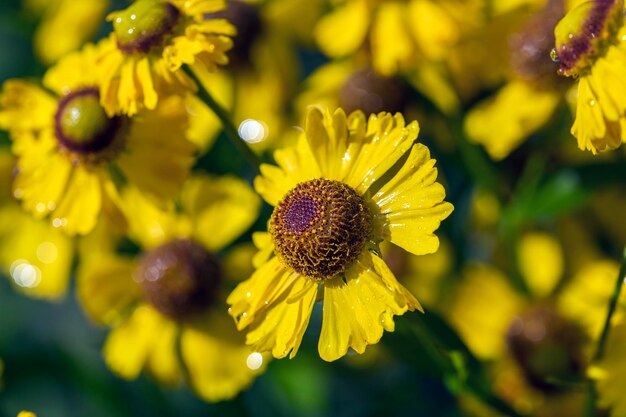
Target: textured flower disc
(179, 278)
(81, 124)
(585, 33)
(547, 347)
(247, 20)
(320, 228)
(143, 25)
(367, 91)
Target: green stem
(443, 362)
(226, 119)
(592, 395)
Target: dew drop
(554, 56)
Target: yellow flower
(26, 414)
(590, 46)
(330, 214)
(526, 103)
(73, 158)
(166, 304)
(65, 25)
(152, 39)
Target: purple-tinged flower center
(585, 33)
(320, 228)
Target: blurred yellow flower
(65, 25)
(590, 46)
(526, 103)
(325, 229)
(26, 414)
(166, 305)
(151, 40)
(73, 158)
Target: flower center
(245, 17)
(547, 347)
(81, 124)
(372, 93)
(143, 25)
(530, 47)
(320, 228)
(584, 33)
(180, 278)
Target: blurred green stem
(444, 362)
(592, 395)
(227, 123)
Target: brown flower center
(180, 278)
(320, 228)
(548, 348)
(365, 90)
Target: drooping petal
(501, 123)
(254, 295)
(158, 157)
(357, 311)
(79, 208)
(207, 201)
(410, 206)
(280, 327)
(106, 288)
(216, 357)
(341, 32)
(392, 43)
(128, 348)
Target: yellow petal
(158, 157)
(75, 70)
(216, 357)
(24, 106)
(79, 208)
(483, 324)
(220, 209)
(251, 297)
(538, 248)
(148, 224)
(357, 311)
(503, 122)
(392, 44)
(280, 327)
(106, 288)
(295, 164)
(355, 151)
(144, 78)
(341, 32)
(37, 257)
(410, 206)
(129, 346)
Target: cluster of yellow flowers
(106, 180)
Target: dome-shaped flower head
(150, 42)
(590, 45)
(73, 158)
(166, 306)
(336, 195)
